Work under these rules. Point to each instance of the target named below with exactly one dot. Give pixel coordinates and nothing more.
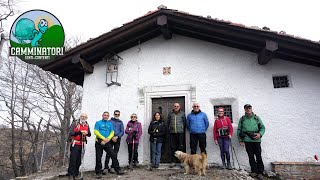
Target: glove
(134, 135)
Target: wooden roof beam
(268, 52)
(163, 22)
(82, 64)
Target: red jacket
(75, 132)
(220, 122)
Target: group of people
(109, 133)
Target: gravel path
(142, 173)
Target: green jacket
(250, 125)
(176, 122)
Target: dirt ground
(143, 173)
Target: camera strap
(224, 118)
(224, 128)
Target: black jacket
(157, 131)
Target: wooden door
(164, 106)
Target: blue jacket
(103, 129)
(197, 123)
(117, 127)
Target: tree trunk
(13, 148)
(22, 162)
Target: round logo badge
(37, 37)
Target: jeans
(116, 147)
(194, 139)
(224, 144)
(75, 160)
(176, 144)
(254, 149)
(156, 153)
(99, 151)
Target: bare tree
(37, 102)
(6, 10)
(9, 88)
(25, 120)
(63, 99)
(71, 42)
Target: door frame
(186, 91)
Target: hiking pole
(82, 156)
(235, 155)
(132, 153)
(232, 154)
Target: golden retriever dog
(196, 161)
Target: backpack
(70, 138)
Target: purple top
(133, 126)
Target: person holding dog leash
(250, 132)
(222, 132)
(78, 132)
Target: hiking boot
(150, 168)
(223, 166)
(136, 163)
(98, 176)
(172, 165)
(253, 174)
(156, 166)
(120, 172)
(130, 166)
(105, 172)
(229, 167)
(112, 171)
(260, 176)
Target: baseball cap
(247, 105)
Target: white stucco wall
(217, 74)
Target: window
(280, 81)
(227, 111)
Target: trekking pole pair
(234, 152)
(82, 155)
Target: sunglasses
(133, 116)
(195, 106)
(117, 114)
(220, 111)
(176, 106)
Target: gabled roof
(267, 44)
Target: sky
(89, 19)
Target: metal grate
(280, 81)
(227, 111)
